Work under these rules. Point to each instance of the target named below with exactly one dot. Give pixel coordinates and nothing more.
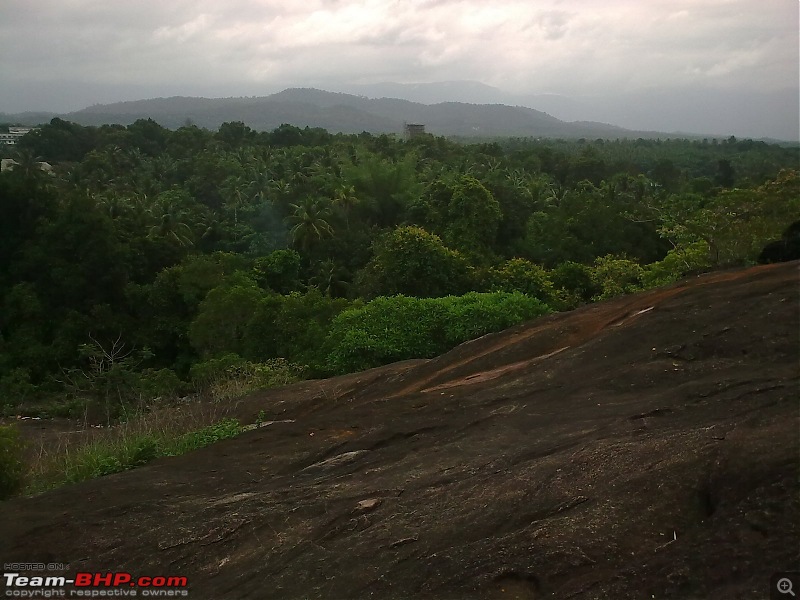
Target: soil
(644, 447)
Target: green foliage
(160, 383)
(309, 223)
(471, 218)
(225, 429)
(386, 186)
(464, 213)
(575, 283)
(680, 261)
(176, 241)
(107, 457)
(734, 225)
(396, 328)
(616, 275)
(520, 275)
(279, 271)
(12, 467)
(301, 323)
(211, 370)
(230, 376)
(411, 261)
(588, 221)
(475, 314)
(386, 330)
(222, 318)
(15, 388)
(108, 378)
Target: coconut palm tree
(27, 162)
(330, 279)
(345, 198)
(169, 221)
(309, 223)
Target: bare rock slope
(641, 447)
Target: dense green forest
(153, 263)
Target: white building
(14, 133)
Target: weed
(11, 464)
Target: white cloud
(567, 46)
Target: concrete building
(14, 133)
(414, 130)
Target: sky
(63, 55)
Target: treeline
(153, 262)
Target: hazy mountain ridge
(699, 110)
(344, 113)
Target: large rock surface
(645, 447)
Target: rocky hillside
(645, 447)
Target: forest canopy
(151, 261)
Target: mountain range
(699, 110)
(340, 113)
(466, 108)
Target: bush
(11, 461)
(574, 281)
(214, 369)
(384, 331)
(398, 328)
(677, 263)
(230, 376)
(161, 383)
(616, 275)
(411, 261)
(520, 275)
(473, 315)
(15, 388)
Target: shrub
(15, 388)
(161, 383)
(230, 376)
(11, 461)
(411, 261)
(384, 331)
(473, 315)
(209, 371)
(398, 328)
(616, 276)
(677, 263)
(520, 275)
(574, 281)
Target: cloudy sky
(66, 54)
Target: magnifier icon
(785, 586)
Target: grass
(160, 430)
(95, 452)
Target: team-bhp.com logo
(94, 585)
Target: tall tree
(309, 223)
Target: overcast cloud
(66, 54)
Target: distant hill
(701, 109)
(345, 113)
(696, 111)
(26, 118)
